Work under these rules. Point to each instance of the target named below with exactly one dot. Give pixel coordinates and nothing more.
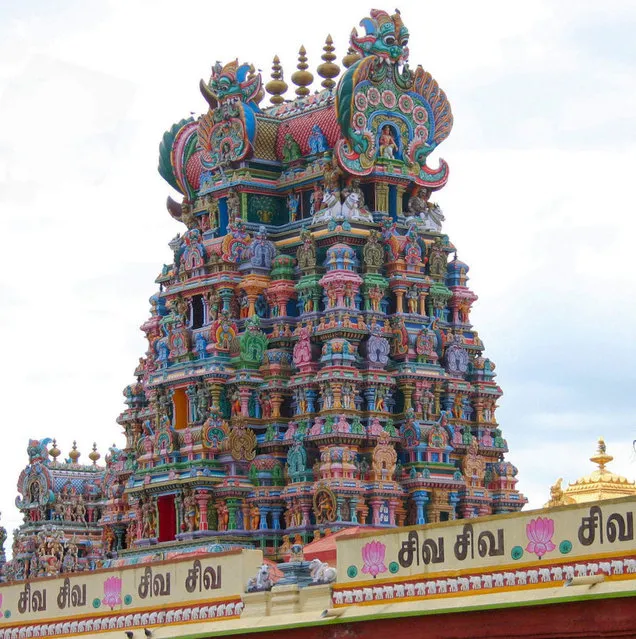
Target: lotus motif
(373, 558)
(112, 592)
(539, 532)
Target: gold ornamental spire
(601, 458)
(74, 454)
(328, 69)
(55, 452)
(302, 78)
(94, 455)
(276, 86)
(351, 58)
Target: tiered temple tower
(311, 362)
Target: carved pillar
(202, 500)
(399, 189)
(422, 302)
(399, 299)
(244, 206)
(353, 509)
(226, 298)
(437, 392)
(277, 401)
(407, 391)
(245, 392)
(276, 513)
(376, 504)
(420, 498)
(232, 507)
(382, 197)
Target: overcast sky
(540, 201)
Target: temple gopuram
(312, 375)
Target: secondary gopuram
(311, 361)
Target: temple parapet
(520, 551)
(539, 558)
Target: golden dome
(599, 484)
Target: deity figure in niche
(302, 349)
(293, 202)
(233, 205)
(388, 147)
(315, 200)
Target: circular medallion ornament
(97, 602)
(405, 103)
(517, 552)
(394, 567)
(128, 600)
(373, 95)
(7, 614)
(420, 115)
(352, 571)
(325, 505)
(388, 99)
(360, 101)
(565, 547)
(359, 121)
(421, 132)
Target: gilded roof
(598, 485)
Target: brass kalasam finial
(302, 78)
(94, 455)
(601, 458)
(351, 58)
(54, 452)
(328, 69)
(74, 454)
(276, 86)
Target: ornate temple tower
(311, 362)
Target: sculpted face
(386, 37)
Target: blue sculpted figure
(317, 140)
(199, 344)
(163, 353)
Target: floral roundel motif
(352, 571)
(420, 115)
(373, 95)
(405, 103)
(394, 567)
(565, 547)
(359, 121)
(388, 99)
(360, 101)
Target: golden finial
(276, 86)
(601, 458)
(55, 451)
(74, 454)
(94, 455)
(302, 78)
(351, 58)
(328, 69)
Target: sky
(540, 202)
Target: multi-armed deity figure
(311, 361)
